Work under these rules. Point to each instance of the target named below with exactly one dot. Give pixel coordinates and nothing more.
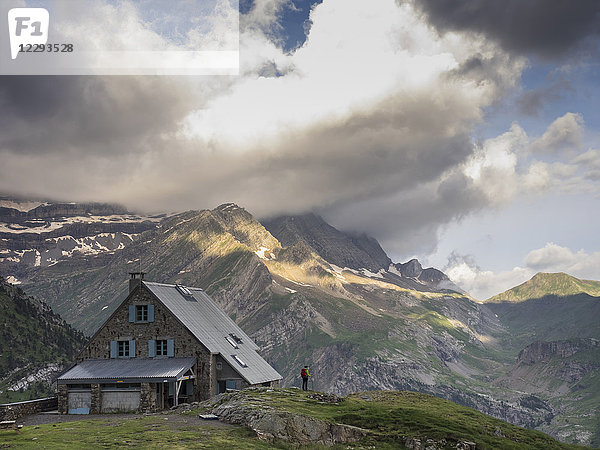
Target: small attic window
(239, 360)
(231, 341)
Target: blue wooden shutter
(170, 347)
(151, 348)
(150, 313)
(131, 349)
(132, 313)
(113, 349)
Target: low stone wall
(12, 411)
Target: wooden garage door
(80, 402)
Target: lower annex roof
(127, 370)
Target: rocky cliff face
(336, 247)
(540, 351)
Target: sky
(462, 133)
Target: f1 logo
(27, 26)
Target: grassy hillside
(548, 318)
(389, 420)
(553, 320)
(544, 284)
(31, 338)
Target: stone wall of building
(63, 399)
(164, 326)
(148, 400)
(96, 405)
(12, 411)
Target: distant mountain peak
(335, 246)
(543, 284)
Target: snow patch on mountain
(394, 270)
(261, 253)
(67, 246)
(44, 226)
(12, 280)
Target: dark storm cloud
(408, 221)
(547, 28)
(88, 114)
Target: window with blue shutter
(161, 347)
(170, 347)
(124, 349)
(113, 349)
(141, 313)
(151, 348)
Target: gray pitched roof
(211, 326)
(128, 370)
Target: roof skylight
(239, 360)
(183, 290)
(231, 341)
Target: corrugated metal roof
(138, 369)
(211, 326)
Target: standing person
(305, 374)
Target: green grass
(153, 432)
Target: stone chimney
(135, 280)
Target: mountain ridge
(545, 284)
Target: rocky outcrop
(539, 351)
(411, 269)
(271, 424)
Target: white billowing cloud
(482, 284)
(495, 162)
(264, 15)
(590, 164)
(357, 55)
(505, 166)
(555, 258)
(564, 135)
